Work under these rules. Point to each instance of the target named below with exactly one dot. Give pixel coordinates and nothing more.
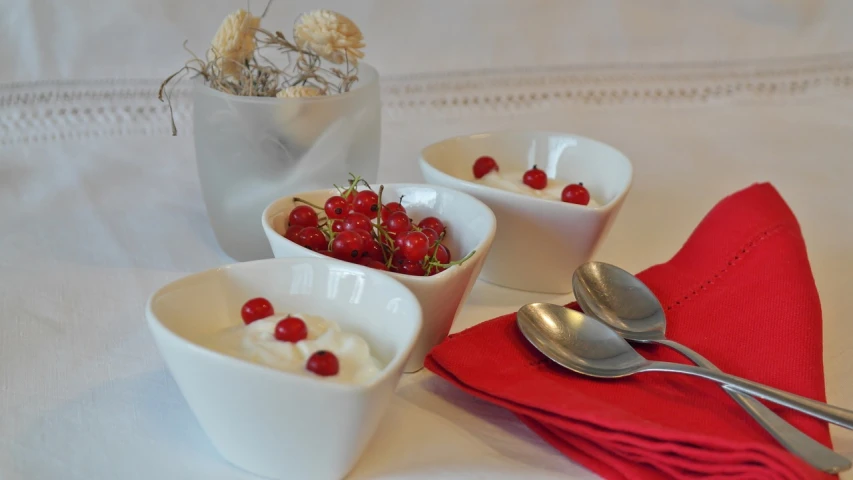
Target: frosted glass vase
(252, 150)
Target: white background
(99, 206)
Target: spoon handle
(811, 451)
(829, 413)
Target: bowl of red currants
(432, 239)
(554, 195)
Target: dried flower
(299, 92)
(234, 42)
(236, 63)
(329, 35)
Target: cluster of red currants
(537, 179)
(291, 329)
(355, 226)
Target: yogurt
(256, 343)
(512, 182)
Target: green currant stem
(380, 232)
(459, 262)
(306, 202)
(353, 185)
(456, 262)
(379, 206)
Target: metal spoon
(626, 305)
(587, 346)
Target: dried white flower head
(330, 35)
(299, 92)
(234, 42)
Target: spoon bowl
(620, 300)
(578, 342)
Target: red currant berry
(291, 329)
(348, 246)
(357, 221)
(373, 251)
(256, 309)
(336, 207)
(484, 165)
(390, 208)
(433, 223)
(398, 241)
(303, 215)
(432, 237)
(442, 255)
(327, 253)
(366, 237)
(576, 193)
(535, 178)
(367, 203)
(415, 246)
(313, 239)
(411, 268)
(375, 264)
(323, 363)
(397, 259)
(293, 232)
(398, 223)
(337, 226)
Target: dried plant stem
(258, 76)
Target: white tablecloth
(99, 206)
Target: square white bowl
(539, 242)
(270, 422)
(470, 227)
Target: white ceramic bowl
(269, 422)
(539, 243)
(470, 227)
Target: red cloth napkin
(741, 293)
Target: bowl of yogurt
(287, 364)
(540, 239)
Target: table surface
(99, 206)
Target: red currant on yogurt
(535, 178)
(576, 193)
(256, 309)
(484, 165)
(323, 363)
(303, 215)
(291, 329)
